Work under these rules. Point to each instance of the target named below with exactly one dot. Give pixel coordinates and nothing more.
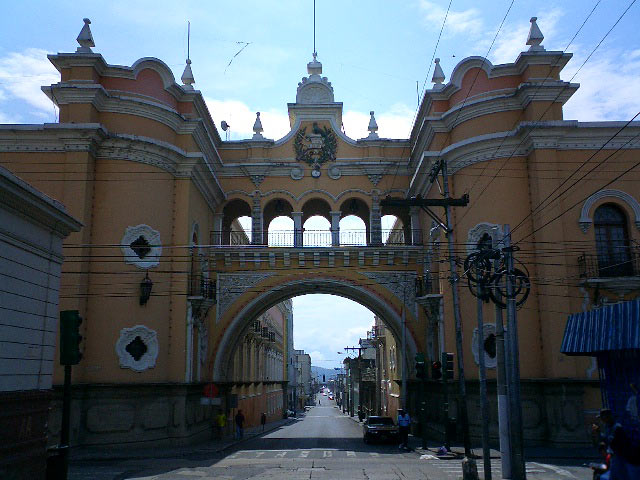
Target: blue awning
(614, 327)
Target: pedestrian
(239, 425)
(625, 454)
(404, 422)
(221, 423)
(360, 413)
(263, 420)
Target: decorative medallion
(257, 179)
(476, 233)
(141, 246)
(137, 348)
(334, 173)
(296, 173)
(317, 147)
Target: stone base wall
(23, 420)
(259, 398)
(553, 411)
(138, 414)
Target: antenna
(189, 37)
(314, 28)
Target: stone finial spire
(187, 76)
(85, 39)
(314, 67)
(257, 128)
(373, 126)
(535, 37)
(438, 75)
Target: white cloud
(608, 86)
(23, 73)
(463, 21)
(513, 37)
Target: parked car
(379, 428)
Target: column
(256, 220)
(297, 229)
(375, 220)
(335, 228)
(416, 231)
(216, 235)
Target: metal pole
(403, 403)
(456, 314)
(486, 454)
(503, 401)
(513, 365)
(66, 420)
(423, 418)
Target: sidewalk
(530, 453)
(80, 454)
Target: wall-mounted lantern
(145, 289)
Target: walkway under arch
(293, 288)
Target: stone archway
(359, 294)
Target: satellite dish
(225, 126)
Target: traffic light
(70, 337)
(420, 367)
(436, 370)
(447, 361)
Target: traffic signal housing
(70, 337)
(436, 370)
(447, 361)
(420, 366)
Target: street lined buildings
(172, 299)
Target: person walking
(239, 425)
(625, 454)
(221, 423)
(263, 420)
(404, 422)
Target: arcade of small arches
(278, 219)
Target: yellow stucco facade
(138, 160)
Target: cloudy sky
(376, 53)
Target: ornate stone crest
(317, 147)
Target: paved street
(323, 444)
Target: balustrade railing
(625, 262)
(201, 286)
(316, 238)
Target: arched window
(612, 241)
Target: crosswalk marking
(281, 454)
(351, 454)
(327, 454)
(259, 454)
(374, 454)
(304, 454)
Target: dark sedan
(379, 428)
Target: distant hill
(317, 372)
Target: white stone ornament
(257, 128)
(314, 89)
(476, 233)
(187, 76)
(535, 37)
(137, 348)
(490, 358)
(141, 246)
(85, 38)
(438, 75)
(373, 126)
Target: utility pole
(484, 406)
(346, 349)
(503, 400)
(513, 365)
(447, 202)
(456, 315)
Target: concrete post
(297, 229)
(375, 220)
(335, 228)
(256, 220)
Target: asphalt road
(322, 444)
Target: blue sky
(372, 51)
